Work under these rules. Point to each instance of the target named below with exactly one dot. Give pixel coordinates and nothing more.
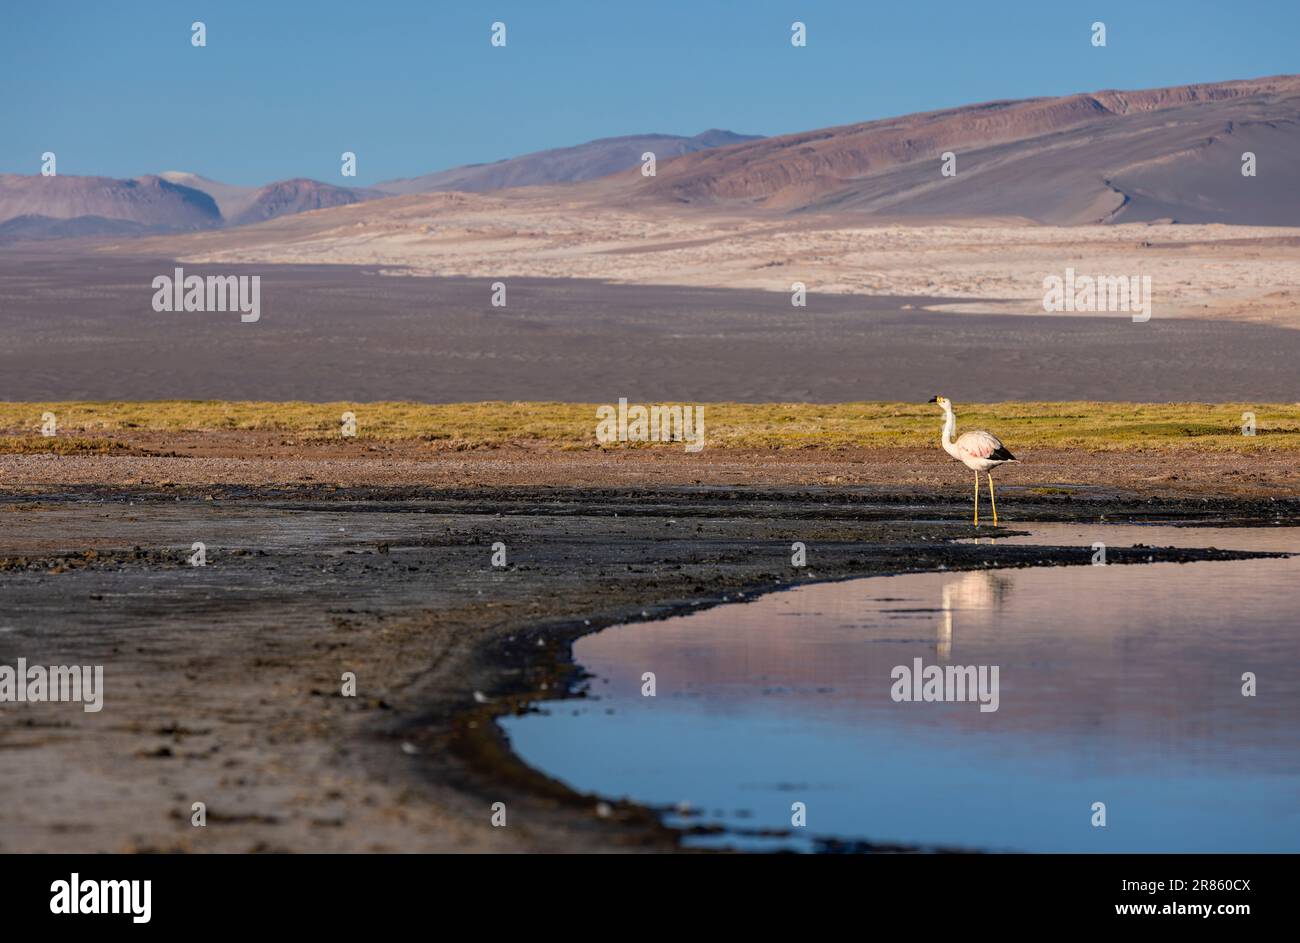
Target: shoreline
(555, 674)
(415, 764)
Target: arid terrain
(341, 332)
(981, 266)
(222, 683)
(1189, 185)
(373, 555)
(1141, 183)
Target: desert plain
(379, 554)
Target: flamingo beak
(934, 399)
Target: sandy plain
(983, 265)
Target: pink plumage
(978, 444)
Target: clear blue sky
(115, 88)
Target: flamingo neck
(949, 427)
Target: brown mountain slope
(170, 202)
(289, 197)
(1108, 156)
(562, 165)
(148, 201)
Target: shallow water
(1117, 684)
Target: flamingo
(978, 451)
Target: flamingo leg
(977, 499)
(993, 501)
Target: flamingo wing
(985, 445)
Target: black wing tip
(1002, 455)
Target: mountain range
(37, 207)
(1178, 154)
(1111, 156)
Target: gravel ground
(192, 463)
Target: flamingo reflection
(978, 589)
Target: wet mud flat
(222, 683)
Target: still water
(1119, 685)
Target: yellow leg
(993, 501)
(977, 499)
